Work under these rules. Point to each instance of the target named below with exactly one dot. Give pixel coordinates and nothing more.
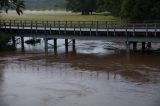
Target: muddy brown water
(79, 79)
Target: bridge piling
(143, 46)
(66, 45)
(55, 44)
(22, 43)
(149, 45)
(46, 44)
(13, 41)
(134, 46)
(127, 47)
(74, 45)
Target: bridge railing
(78, 24)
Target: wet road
(82, 78)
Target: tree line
(128, 9)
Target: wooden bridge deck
(111, 31)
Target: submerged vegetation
(33, 41)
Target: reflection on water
(79, 78)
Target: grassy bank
(57, 16)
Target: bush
(4, 39)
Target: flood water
(93, 75)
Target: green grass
(52, 16)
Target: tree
(4, 39)
(84, 6)
(101, 5)
(113, 6)
(131, 9)
(18, 5)
(140, 9)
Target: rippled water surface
(92, 76)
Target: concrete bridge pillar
(22, 43)
(66, 45)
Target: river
(93, 75)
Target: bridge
(131, 33)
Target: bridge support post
(66, 45)
(149, 45)
(13, 41)
(46, 44)
(143, 46)
(134, 46)
(74, 45)
(127, 47)
(55, 45)
(22, 43)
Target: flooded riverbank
(91, 76)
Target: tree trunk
(85, 12)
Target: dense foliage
(140, 9)
(18, 5)
(4, 39)
(130, 9)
